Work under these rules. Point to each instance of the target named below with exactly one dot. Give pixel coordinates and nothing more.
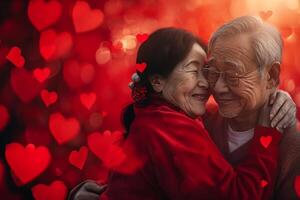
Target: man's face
(238, 86)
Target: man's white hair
(265, 39)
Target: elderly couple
(187, 153)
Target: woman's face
(186, 86)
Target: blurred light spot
(290, 85)
(129, 42)
(292, 4)
(291, 38)
(113, 7)
(193, 4)
(103, 55)
(87, 73)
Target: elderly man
(243, 68)
(243, 71)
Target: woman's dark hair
(162, 51)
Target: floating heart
(141, 67)
(55, 45)
(24, 84)
(266, 140)
(43, 14)
(48, 97)
(103, 55)
(105, 147)
(56, 191)
(4, 117)
(84, 18)
(27, 163)
(41, 74)
(263, 183)
(63, 130)
(265, 15)
(16, 57)
(78, 158)
(142, 37)
(297, 186)
(88, 99)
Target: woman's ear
(273, 75)
(157, 83)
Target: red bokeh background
(65, 66)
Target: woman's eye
(194, 71)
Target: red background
(96, 55)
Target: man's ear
(157, 82)
(273, 75)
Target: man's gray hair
(265, 39)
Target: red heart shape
(43, 14)
(141, 67)
(24, 84)
(78, 158)
(105, 147)
(55, 45)
(41, 74)
(266, 140)
(263, 183)
(103, 55)
(297, 186)
(48, 97)
(56, 191)
(265, 15)
(16, 57)
(63, 130)
(4, 117)
(84, 18)
(27, 163)
(88, 99)
(142, 37)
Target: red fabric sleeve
(182, 162)
(189, 166)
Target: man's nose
(220, 86)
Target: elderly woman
(165, 134)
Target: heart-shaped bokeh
(29, 162)
(57, 190)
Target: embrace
(247, 149)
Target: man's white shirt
(238, 138)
